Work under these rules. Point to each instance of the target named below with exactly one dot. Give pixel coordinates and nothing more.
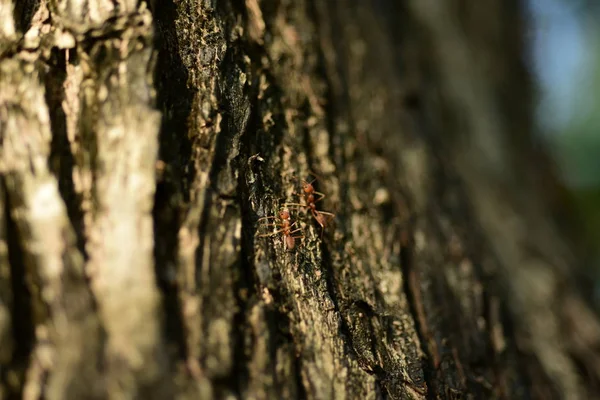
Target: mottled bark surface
(141, 142)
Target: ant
(286, 228)
(309, 197)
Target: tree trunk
(141, 143)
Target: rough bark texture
(141, 142)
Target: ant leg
(296, 237)
(326, 213)
(267, 218)
(295, 205)
(265, 223)
(267, 226)
(312, 173)
(271, 234)
(321, 196)
(318, 213)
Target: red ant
(284, 216)
(309, 197)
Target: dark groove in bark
(335, 104)
(246, 282)
(23, 13)
(233, 124)
(245, 290)
(21, 311)
(302, 391)
(250, 180)
(334, 108)
(381, 394)
(223, 146)
(61, 159)
(223, 143)
(166, 219)
(174, 99)
(345, 331)
(6, 295)
(410, 278)
(326, 260)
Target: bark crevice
(415, 304)
(13, 375)
(61, 159)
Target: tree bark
(141, 142)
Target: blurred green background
(565, 53)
